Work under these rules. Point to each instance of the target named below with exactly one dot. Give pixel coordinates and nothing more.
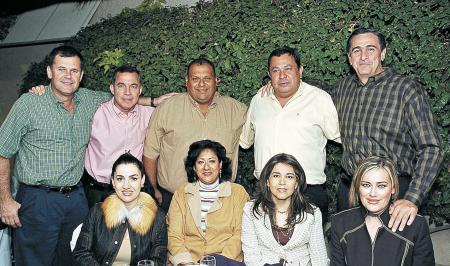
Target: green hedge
(239, 35)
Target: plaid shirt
(50, 142)
(390, 116)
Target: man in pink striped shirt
(118, 126)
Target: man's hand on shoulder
(39, 90)
(265, 90)
(162, 98)
(10, 212)
(403, 212)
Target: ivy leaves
(238, 36)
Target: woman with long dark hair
(281, 225)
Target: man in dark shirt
(387, 114)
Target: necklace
(282, 212)
(284, 231)
(286, 234)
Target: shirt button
(115, 242)
(107, 262)
(134, 246)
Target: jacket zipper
(373, 243)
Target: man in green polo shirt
(48, 134)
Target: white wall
(14, 63)
(180, 2)
(109, 8)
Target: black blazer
(351, 244)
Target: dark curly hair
(300, 205)
(194, 151)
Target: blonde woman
(361, 236)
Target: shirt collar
(121, 114)
(52, 98)
(383, 216)
(224, 189)
(378, 77)
(297, 94)
(213, 103)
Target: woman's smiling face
(127, 182)
(207, 167)
(375, 190)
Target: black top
(351, 243)
(97, 245)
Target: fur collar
(140, 217)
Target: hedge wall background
(239, 35)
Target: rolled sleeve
(247, 137)
(154, 136)
(331, 121)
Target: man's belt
(64, 189)
(89, 181)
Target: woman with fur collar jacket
(127, 226)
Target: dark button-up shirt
(389, 116)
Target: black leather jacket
(351, 244)
(97, 245)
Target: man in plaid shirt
(384, 113)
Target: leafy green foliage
(108, 60)
(148, 5)
(238, 36)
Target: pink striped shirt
(114, 132)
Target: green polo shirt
(49, 141)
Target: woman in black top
(361, 236)
(127, 226)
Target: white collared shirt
(300, 128)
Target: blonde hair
(366, 165)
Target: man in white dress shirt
(295, 118)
